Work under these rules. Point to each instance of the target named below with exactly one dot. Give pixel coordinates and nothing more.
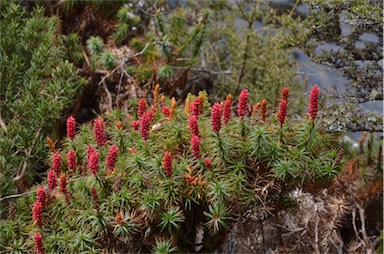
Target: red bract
(165, 111)
(71, 160)
(263, 110)
(136, 125)
(37, 213)
(112, 155)
(142, 107)
(145, 124)
(313, 103)
(285, 93)
(41, 195)
(56, 162)
(282, 111)
(193, 126)
(98, 129)
(52, 181)
(227, 110)
(167, 163)
(216, 117)
(242, 107)
(93, 163)
(195, 145)
(195, 108)
(71, 127)
(63, 183)
(38, 243)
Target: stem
(310, 133)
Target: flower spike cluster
(193, 126)
(71, 127)
(142, 107)
(71, 157)
(195, 107)
(99, 132)
(282, 111)
(56, 162)
(93, 163)
(216, 117)
(41, 195)
(37, 213)
(285, 93)
(136, 125)
(195, 146)
(313, 103)
(112, 155)
(144, 126)
(165, 111)
(227, 108)
(38, 243)
(52, 179)
(167, 164)
(242, 107)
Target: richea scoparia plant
(145, 179)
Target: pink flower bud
(112, 155)
(71, 127)
(98, 129)
(38, 243)
(37, 213)
(282, 111)
(56, 162)
(208, 163)
(52, 181)
(167, 164)
(145, 124)
(142, 107)
(71, 157)
(242, 107)
(227, 110)
(41, 195)
(165, 111)
(193, 126)
(195, 145)
(216, 117)
(313, 103)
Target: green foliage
(37, 86)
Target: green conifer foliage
(37, 84)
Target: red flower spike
(167, 164)
(263, 110)
(313, 103)
(98, 129)
(37, 213)
(112, 155)
(41, 195)
(38, 243)
(63, 183)
(144, 126)
(71, 157)
(142, 107)
(71, 127)
(195, 109)
(56, 162)
(52, 181)
(93, 163)
(282, 111)
(216, 117)
(193, 126)
(165, 111)
(285, 93)
(195, 145)
(227, 110)
(242, 107)
(90, 151)
(136, 125)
